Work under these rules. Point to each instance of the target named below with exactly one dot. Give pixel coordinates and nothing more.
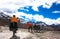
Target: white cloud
(46, 20)
(15, 4)
(42, 2)
(36, 17)
(57, 21)
(49, 21)
(56, 12)
(58, 1)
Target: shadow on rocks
(15, 37)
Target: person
(29, 26)
(36, 28)
(13, 24)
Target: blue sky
(47, 11)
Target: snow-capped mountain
(4, 19)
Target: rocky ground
(24, 34)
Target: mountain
(55, 27)
(4, 19)
(52, 27)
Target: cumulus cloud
(46, 20)
(36, 17)
(13, 5)
(58, 1)
(56, 12)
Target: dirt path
(24, 34)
